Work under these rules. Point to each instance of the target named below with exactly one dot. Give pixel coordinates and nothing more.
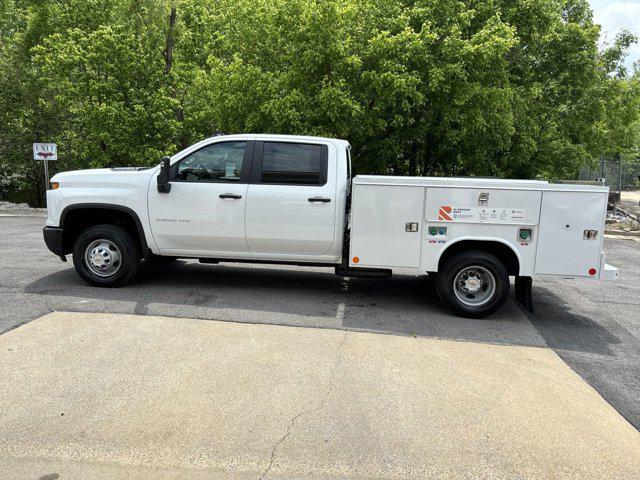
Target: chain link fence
(618, 175)
(623, 180)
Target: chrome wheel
(474, 286)
(103, 258)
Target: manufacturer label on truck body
(449, 213)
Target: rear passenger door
(291, 199)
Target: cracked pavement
(310, 411)
(128, 396)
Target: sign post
(46, 152)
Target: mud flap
(523, 292)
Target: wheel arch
(77, 217)
(502, 249)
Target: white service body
(558, 214)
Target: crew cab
(292, 200)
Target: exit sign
(45, 151)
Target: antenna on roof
(218, 133)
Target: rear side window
(293, 164)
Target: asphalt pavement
(594, 328)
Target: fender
(479, 239)
(110, 206)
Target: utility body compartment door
(562, 246)
(379, 218)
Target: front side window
(292, 163)
(219, 162)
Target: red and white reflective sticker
(444, 213)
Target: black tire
(491, 298)
(127, 250)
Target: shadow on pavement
(403, 305)
(564, 330)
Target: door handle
(319, 199)
(230, 195)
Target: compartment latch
(411, 227)
(590, 235)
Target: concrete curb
(622, 232)
(23, 212)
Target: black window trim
(245, 172)
(256, 165)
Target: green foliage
(512, 88)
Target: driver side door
(203, 214)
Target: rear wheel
(106, 256)
(473, 283)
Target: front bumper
(53, 239)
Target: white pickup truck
(291, 200)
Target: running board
(208, 260)
(363, 272)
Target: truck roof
(475, 182)
(297, 138)
(461, 182)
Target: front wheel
(106, 256)
(473, 283)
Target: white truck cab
(291, 199)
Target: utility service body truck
(291, 200)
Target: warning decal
(494, 215)
(448, 213)
(517, 215)
(444, 213)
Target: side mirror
(164, 186)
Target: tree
(512, 88)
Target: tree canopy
(510, 88)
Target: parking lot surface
(594, 328)
(265, 401)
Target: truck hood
(103, 176)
